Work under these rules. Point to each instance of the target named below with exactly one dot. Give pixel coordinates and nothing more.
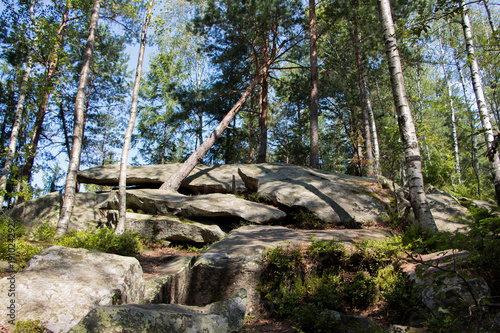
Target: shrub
(44, 233)
(104, 240)
(324, 278)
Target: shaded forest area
(321, 93)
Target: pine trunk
(175, 180)
(418, 199)
(313, 56)
(363, 89)
(25, 170)
(263, 106)
(15, 130)
(481, 102)
(76, 147)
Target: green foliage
(14, 247)
(401, 296)
(29, 326)
(327, 277)
(104, 240)
(44, 233)
(305, 219)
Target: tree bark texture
(453, 117)
(76, 147)
(122, 183)
(15, 130)
(263, 106)
(363, 89)
(481, 101)
(313, 56)
(418, 198)
(175, 180)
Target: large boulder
(210, 206)
(61, 285)
(171, 228)
(442, 282)
(332, 197)
(447, 211)
(236, 261)
(222, 317)
(47, 209)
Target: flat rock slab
(61, 285)
(152, 201)
(47, 209)
(221, 317)
(173, 229)
(332, 197)
(236, 261)
(203, 179)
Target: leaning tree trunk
(174, 182)
(481, 102)
(15, 130)
(418, 199)
(76, 147)
(122, 183)
(313, 56)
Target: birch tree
(407, 131)
(481, 101)
(122, 183)
(76, 147)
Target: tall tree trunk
(453, 117)
(15, 129)
(481, 101)
(490, 20)
(313, 56)
(175, 180)
(263, 106)
(418, 199)
(373, 125)
(364, 103)
(64, 128)
(474, 150)
(25, 171)
(122, 183)
(76, 147)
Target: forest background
(205, 53)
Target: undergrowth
(327, 278)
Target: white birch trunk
(453, 117)
(122, 183)
(76, 147)
(418, 199)
(481, 101)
